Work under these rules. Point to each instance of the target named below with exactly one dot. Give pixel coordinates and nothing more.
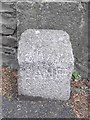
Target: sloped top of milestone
(45, 45)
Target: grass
(76, 75)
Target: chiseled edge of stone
(73, 1)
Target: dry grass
(9, 82)
(80, 98)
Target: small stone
(8, 15)
(8, 50)
(6, 31)
(9, 60)
(8, 41)
(46, 64)
(8, 22)
(5, 7)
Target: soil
(80, 98)
(9, 82)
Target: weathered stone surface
(5, 7)
(46, 64)
(9, 60)
(8, 22)
(8, 50)
(70, 17)
(8, 41)
(7, 25)
(6, 31)
(8, 15)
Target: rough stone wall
(8, 35)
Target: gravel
(34, 109)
